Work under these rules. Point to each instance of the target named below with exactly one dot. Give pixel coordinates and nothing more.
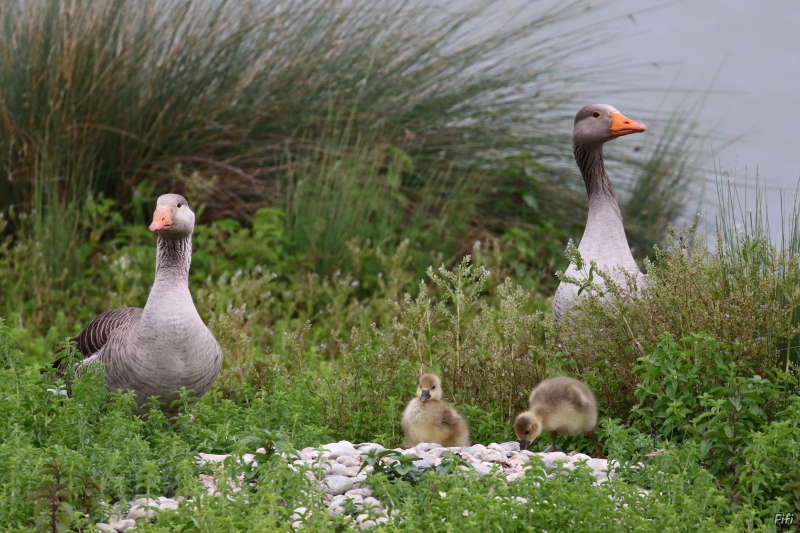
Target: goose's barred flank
(96, 333)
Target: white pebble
(336, 469)
(337, 449)
(555, 456)
(122, 525)
(205, 458)
(340, 484)
(139, 512)
(597, 464)
(371, 502)
(142, 502)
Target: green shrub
(746, 427)
(689, 289)
(90, 444)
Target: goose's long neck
(604, 238)
(173, 260)
(598, 186)
(169, 307)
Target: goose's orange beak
(162, 219)
(622, 125)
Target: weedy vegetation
(382, 189)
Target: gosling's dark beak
(523, 444)
(426, 395)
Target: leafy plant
(393, 464)
(53, 507)
(397, 466)
(743, 424)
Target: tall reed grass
(113, 92)
(304, 105)
(744, 236)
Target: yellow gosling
(428, 418)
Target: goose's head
(600, 123)
(527, 428)
(429, 387)
(172, 218)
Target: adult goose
(603, 240)
(157, 350)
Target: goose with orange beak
(604, 240)
(164, 347)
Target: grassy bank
(315, 359)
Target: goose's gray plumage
(604, 240)
(96, 333)
(157, 350)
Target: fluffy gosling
(558, 405)
(427, 418)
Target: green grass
(744, 236)
(100, 455)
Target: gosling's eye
(596, 114)
(433, 387)
(179, 204)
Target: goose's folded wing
(95, 335)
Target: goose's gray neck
(593, 170)
(169, 306)
(604, 238)
(173, 259)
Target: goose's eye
(596, 114)
(433, 387)
(179, 204)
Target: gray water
(745, 52)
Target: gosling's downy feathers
(428, 418)
(558, 405)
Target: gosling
(558, 405)
(428, 418)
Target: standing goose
(603, 240)
(157, 350)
